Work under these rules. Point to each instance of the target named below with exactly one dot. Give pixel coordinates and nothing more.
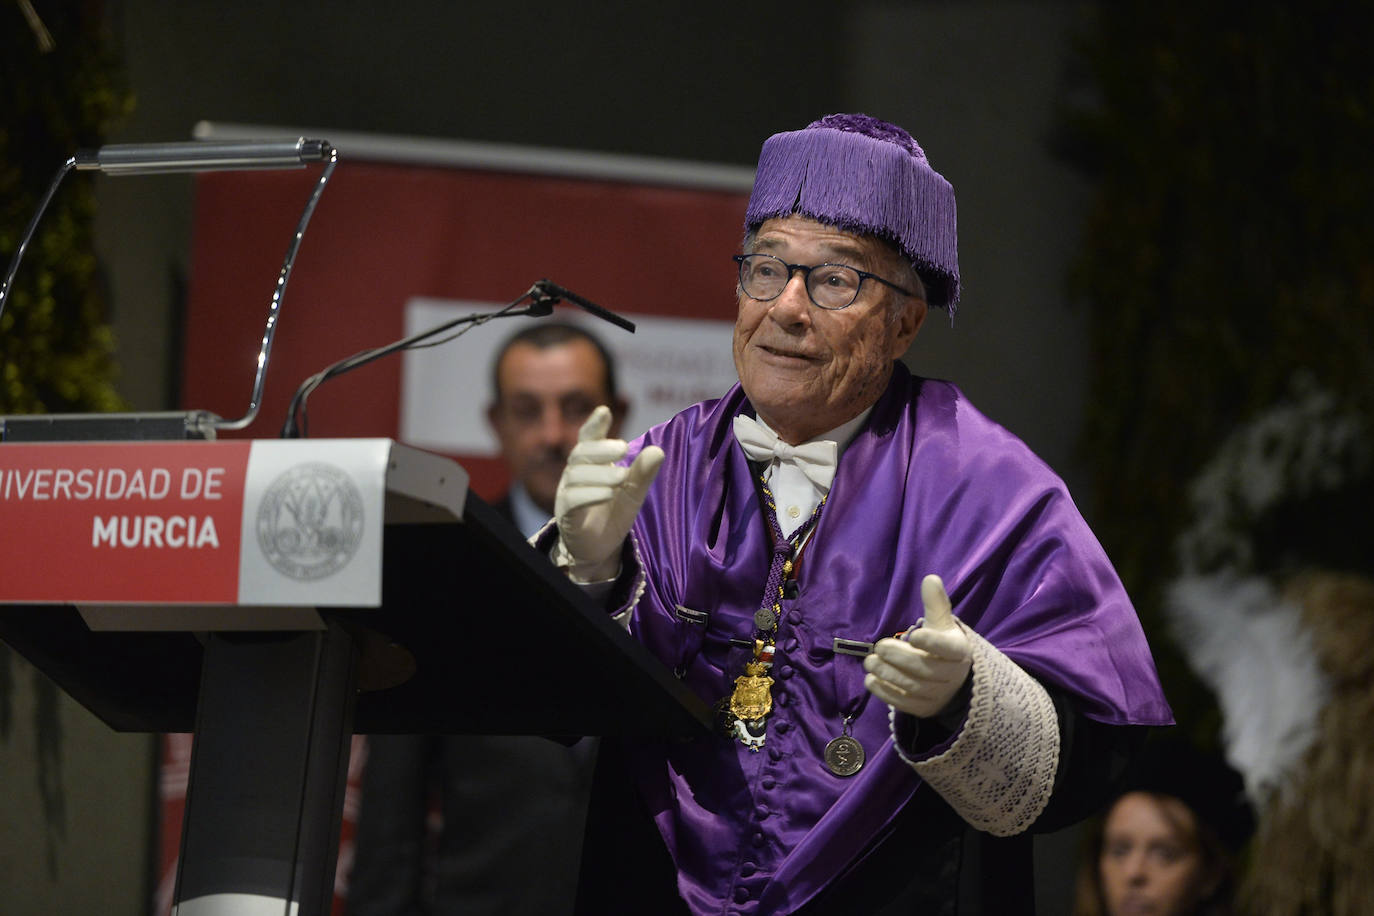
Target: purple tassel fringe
(838, 172)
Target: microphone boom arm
(296, 424)
(542, 296)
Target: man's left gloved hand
(921, 672)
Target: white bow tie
(814, 459)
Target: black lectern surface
(501, 643)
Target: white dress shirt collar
(795, 495)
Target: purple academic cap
(866, 176)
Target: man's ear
(908, 320)
(493, 415)
(619, 407)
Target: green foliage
(56, 350)
(55, 345)
(1229, 248)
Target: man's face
(806, 369)
(544, 395)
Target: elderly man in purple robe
(921, 653)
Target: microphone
(542, 296)
(196, 156)
(557, 292)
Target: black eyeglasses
(830, 286)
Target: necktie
(815, 459)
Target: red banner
(384, 234)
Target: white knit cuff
(999, 771)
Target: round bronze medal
(844, 756)
(765, 619)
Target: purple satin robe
(930, 485)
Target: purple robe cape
(930, 485)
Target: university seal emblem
(310, 521)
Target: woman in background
(1164, 847)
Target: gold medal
(752, 698)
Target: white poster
(666, 365)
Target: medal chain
(746, 710)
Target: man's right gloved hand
(597, 501)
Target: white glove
(921, 673)
(597, 501)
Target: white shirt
(794, 494)
(529, 518)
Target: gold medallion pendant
(752, 698)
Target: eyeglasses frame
(806, 278)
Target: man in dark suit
(511, 809)
(545, 383)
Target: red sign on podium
(284, 523)
(122, 521)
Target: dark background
(1163, 210)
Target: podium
(275, 596)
